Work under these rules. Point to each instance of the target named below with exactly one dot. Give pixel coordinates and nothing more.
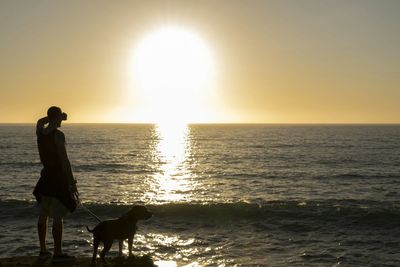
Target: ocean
(222, 195)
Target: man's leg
(42, 231)
(59, 212)
(57, 234)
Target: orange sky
(277, 61)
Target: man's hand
(72, 188)
(74, 192)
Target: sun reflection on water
(171, 183)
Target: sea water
(246, 195)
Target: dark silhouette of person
(55, 191)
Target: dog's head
(139, 213)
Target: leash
(88, 210)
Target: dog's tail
(91, 231)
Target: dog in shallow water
(122, 228)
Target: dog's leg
(107, 246)
(130, 242)
(121, 244)
(96, 243)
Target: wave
(113, 167)
(347, 212)
(356, 176)
(21, 164)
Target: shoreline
(33, 261)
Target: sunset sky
(298, 61)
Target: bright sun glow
(173, 71)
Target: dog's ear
(139, 212)
(133, 211)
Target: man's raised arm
(41, 123)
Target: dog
(122, 228)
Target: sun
(173, 71)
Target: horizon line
(226, 123)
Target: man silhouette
(56, 190)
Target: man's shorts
(52, 207)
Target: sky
(283, 61)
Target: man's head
(55, 115)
